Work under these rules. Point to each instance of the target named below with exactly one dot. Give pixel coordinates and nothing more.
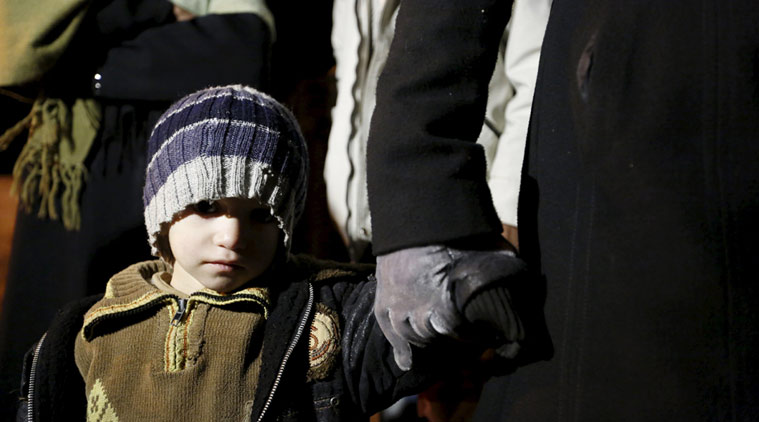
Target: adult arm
(426, 175)
(427, 182)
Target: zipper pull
(182, 303)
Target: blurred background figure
(100, 73)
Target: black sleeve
(426, 174)
(165, 62)
(116, 20)
(59, 390)
(108, 23)
(373, 378)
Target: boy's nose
(229, 233)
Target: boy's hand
(432, 291)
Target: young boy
(227, 325)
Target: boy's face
(222, 244)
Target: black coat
(638, 208)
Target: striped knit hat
(225, 142)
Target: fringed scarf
(50, 168)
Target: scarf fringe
(38, 176)
(49, 172)
(9, 135)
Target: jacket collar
(130, 292)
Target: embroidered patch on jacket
(99, 408)
(323, 343)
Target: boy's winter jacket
(317, 303)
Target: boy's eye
(205, 207)
(261, 215)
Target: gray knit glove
(427, 292)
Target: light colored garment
(361, 37)
(209, 7)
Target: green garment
(34, 34)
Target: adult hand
(182, 14)
(427, 292)
(511, 234)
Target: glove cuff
(488, 304)
(493, 306)
(476, 272)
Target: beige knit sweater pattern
(143, 358)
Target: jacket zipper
(182, 304)
(290, 349)
(32, 376)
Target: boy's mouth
(227, 265)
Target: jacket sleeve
(426, 175)
(57, 388)
(374, 380)
(168, 61)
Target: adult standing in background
(638, 200)
(105, 71)
(361, 35)
(362, 32)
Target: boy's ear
(163, 245)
